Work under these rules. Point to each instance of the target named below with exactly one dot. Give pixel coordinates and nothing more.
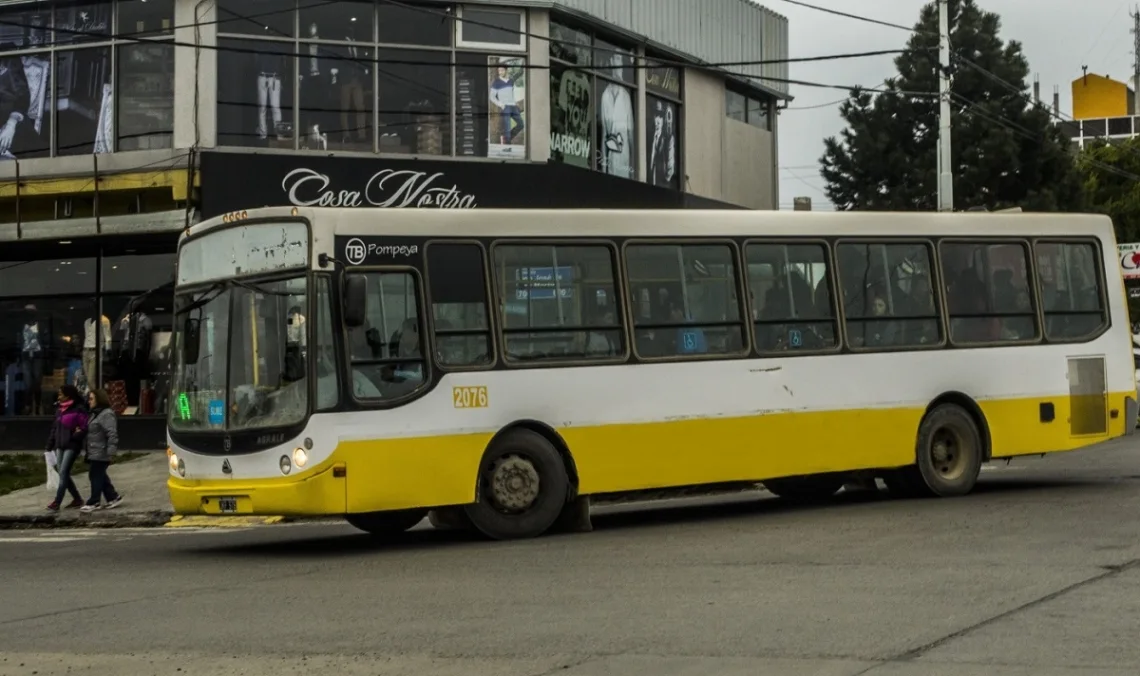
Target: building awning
(74, 228)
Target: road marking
(179, 521)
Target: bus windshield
(240, 356)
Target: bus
(499, 368)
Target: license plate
(227, 505)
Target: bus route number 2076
(470, 396)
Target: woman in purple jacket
(66, 439)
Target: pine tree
(1108, 173)
(1006, 151)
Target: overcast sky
(1058, 37)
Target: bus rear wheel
(522, 487)
(805, 489)
(948, 455)
(386, 523)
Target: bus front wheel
(522, 488)
(948, 455)
(386, 523)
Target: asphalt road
(1037, 574)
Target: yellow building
(1098, 96)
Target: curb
(153, 519)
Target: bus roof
(673, 223)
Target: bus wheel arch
(523, 483)
(554, 438)
(951, 444)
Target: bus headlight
(172, 458)
(300, 457)
(286, 465)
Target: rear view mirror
(355, 300)
(191, 340)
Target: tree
(1108, 180)
(1005, 150)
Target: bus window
(888, 297)
(328, 380)
(458, 287)
(386, 354)
(1070, 290)
(558, 302)
(987, 292)
(791, 297)
(687, 297)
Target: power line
(866, 19)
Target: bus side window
(694, 305)
(386, 354)
(888, 297)
(987, 292)
(1071, 295)
(458, 287)
(789, 285)
(558, 302)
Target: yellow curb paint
(180, 521)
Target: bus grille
(1088, 396)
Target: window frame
(836, 306)
(426, 384)
(489, 307)
(620, 313)
(935, 284)
(493, 47)
(745, 313)
(314, 337)
(1102, 287)
(1034, 294)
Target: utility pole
(945, 171)
(1135, 60)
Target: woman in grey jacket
(102, 444)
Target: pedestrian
(67, 436)
(102, 444)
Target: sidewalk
(142, 483)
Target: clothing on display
(617, 122)
(503, 97)
(271, 68)
(95, 341)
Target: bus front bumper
(321, 493)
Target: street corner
(200, 521)
(102, 519)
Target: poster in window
(661, 141)
(25, 105)
(617, 144)
(506, 130)
(571, 117)
(84, 101)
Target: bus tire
(522, 489)
(386, 523)
(948, 454)
(806, 489)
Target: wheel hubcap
(514, 483)
(949, 454)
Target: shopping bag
(51, 461)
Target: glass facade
(593, 108)
(82, 319)
(371, 77)
(70, 85)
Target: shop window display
(41, 349)
(135, 362)
(414, 102)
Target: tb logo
(355, 252)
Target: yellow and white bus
(503, 365)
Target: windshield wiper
(203, 299)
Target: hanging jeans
(268, 103)
(66, 483)
(352, 99)
(101, 485)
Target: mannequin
(311, 73)
(271, 68)
(352, 87)
(31, 341)
(96, 345)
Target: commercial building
(123, 122)
(1103, 108)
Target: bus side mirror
(355, 300)
(191, 340)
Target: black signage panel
(235, 181)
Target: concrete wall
(725, 159)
